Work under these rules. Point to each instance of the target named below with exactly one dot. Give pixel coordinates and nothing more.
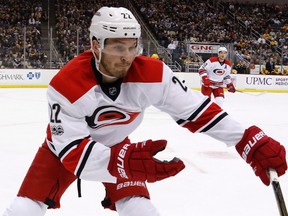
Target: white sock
(136, 206)
(23, 206)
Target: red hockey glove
(262, 153)
(206, 81)
(231, 87)
(135, 161)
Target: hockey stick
(251, 94)
(278, 193)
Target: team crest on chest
(110, 115)
(219, 71)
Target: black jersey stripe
(85, 158)
(213, 123)
(196, 113)
(71, 145)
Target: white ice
(216, 180)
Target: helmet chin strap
(97, 63)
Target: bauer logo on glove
(262, 153)
(251, 143)
(135, 161)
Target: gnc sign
(203, 48)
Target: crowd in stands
(19, 20)
(271, 22)
(204, 22)
(196, 21)
(73, 20)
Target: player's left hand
(262, 153)
(135, 161)
(231, 87)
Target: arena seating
(257, 31)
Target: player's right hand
(135, 161)
(231, 87)
(206, 81)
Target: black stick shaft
(278, 193)
(279, 198)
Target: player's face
(117, 56)
(222, 56)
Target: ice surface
(216, 180)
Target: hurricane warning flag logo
(219, 71)
(110, 115)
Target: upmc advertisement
(246, 82)
(262, 82)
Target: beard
(117, 70)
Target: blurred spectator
(155, 56)
(270, 65)
(261, 40)
(276, 71)
(240, 68)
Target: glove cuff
(252, 139)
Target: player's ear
(95, 46)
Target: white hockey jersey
(87, 117)
(217, 72)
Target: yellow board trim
(257, 90)
(244, 90)
(23, 86)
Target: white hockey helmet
(222, 49)
(113, 22)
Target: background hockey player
(98, 99)
(215, 75)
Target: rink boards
(39, 78)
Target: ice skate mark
(188, 162)
(193, 165)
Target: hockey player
(98, 99)
(215, 75)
